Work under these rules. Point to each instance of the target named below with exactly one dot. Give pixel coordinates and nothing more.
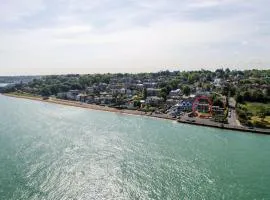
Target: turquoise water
(56, 152)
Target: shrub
(259, 124)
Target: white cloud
(212, 3)
(79, 39)
(13, 10)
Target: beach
(91, 106)
(195, 121)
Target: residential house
(90, 99)
(122, 91)
(153, 92)
(102, 87)
(217, 82)
(175, 94)
(90, 90)
(72, 94)
(171, 102)
(217, 110)
(81, 97)
(139, 86)
(150, 85)
(203, 107)
(154, 101)
(96, 100)
(106, 99)
(129, 92)
(186, 105)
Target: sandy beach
(136, 112)
(91, 106)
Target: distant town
(236, 98)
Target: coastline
(140, 113)
(91, 106)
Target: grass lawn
(23, 94)
(254, 108)
(265, 122)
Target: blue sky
(85, 36)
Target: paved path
(232, 119)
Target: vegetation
(250, 88)
(256, 114)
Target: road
(232, 119)
(232, 103)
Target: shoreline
(140, 113)
(92, 106)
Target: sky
(87, 36)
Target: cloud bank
(68, 36)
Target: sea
(55, 152)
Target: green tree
(163, 93)
(262, 113)
(239, 98)
(218, 102)
(186, 90)
(144, 93)
(45, 91)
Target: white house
(122, 91)
(176, 92)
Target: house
(128, 92)
(199, 91)
(96, 100)
(90, 90)
(176, 92)
(122, 91)
(217, 82)
(174, 110)
(203, 107)
(153, 92)
(150, 85)
(106, 99)
(153, 101)
(102, 87)
(89, 99)
(171, 102)
(217, 110)
(72, 94)
(186, 105)
(139, 86)
(115, 91)
(81, 97)
(218, 113)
